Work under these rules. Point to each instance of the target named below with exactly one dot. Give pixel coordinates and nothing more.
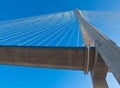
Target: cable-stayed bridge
(78, 40)
(54, 30)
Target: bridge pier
(99, 83)
(109, 51)
(99, 72)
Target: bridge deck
(65, 58)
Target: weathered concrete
(99, 72)
(87, 43)
(107, 49)
(86, 38)
(65, 58)
(61, 58)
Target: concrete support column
(109, 51)
(99, 83)
(99, 73)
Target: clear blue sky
(27, 77)
(11, 9)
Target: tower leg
(99, 83)
(99, 72)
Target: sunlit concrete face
(108, 50)
(107, 22)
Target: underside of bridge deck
(64, 58)
(61, 58)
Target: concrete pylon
(99, 72)
(106, 48)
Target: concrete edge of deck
(48, 57)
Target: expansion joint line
(87, 58)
